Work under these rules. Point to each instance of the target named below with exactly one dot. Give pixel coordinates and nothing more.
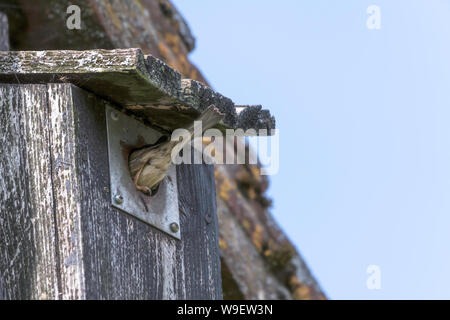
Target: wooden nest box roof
(142, 85)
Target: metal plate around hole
(160, 210)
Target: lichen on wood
(142, 85)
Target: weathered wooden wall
(62, 239)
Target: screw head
(118, 199)
(174, 227)
(114, 115)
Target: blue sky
(364, 119)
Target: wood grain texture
(66, 192)
(28, 268)
(4, 32)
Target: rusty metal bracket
(161, 210)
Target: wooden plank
(258, 255)
(199, 228)
(67, 195)
(119, 75)
(28, 253)
(143, 85)
(4, 32)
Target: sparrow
(148, 165)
